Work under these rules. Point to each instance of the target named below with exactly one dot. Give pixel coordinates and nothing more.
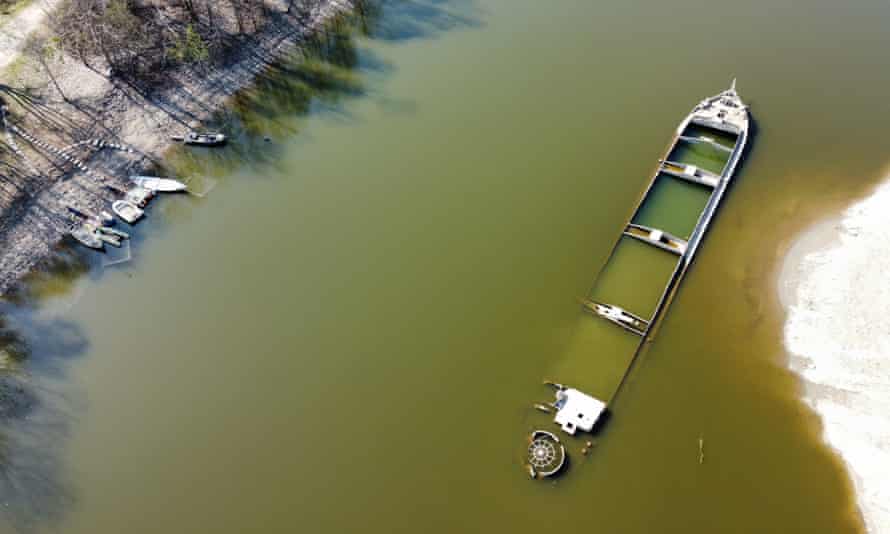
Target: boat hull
(163, 185)
(127, 211)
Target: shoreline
(838, 338)
(33, 217)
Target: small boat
(127, 211)
(112, 232)
(201, 138)
(107, 238)
(139, 196)
(77, 211)
(154, 183)
(101, 218)
(86, 236)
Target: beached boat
(140, 196)
(112, 240)
(155, 183)
(127, 211)
(113, 232)
(86, 236)
(703, 155)
(201, 138)
(102, 217)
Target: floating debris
(112, 240)
(111, 231)
(543, 408)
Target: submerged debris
(546, 455)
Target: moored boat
(139, 196)
(113, 232)
(127, 211)
(112, 240)
(201, 138)
(86, 236)
(155, 183)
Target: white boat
(108, 238)
(127, 211)
(112, 232)
(139, 195)
(86, 236)
(154, 183)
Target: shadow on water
(35, 410)
(320, 80)
(404, 20)
(316, 80)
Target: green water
(673, 205)
(634, 277)
(701, 155)
(347, 333)
(726, 139)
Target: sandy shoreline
(832, 284)
(34, 217)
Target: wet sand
(833, 285)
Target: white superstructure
(576, 410)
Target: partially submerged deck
(671, 218)
(659, 241)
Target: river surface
(347, 333)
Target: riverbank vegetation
(141, 39)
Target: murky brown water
(346, 334)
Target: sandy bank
(834, 286)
